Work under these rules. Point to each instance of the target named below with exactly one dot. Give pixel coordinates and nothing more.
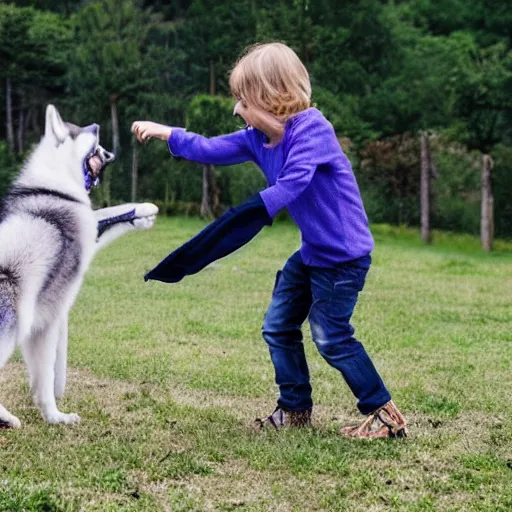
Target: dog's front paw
(62, 418)
(146, 210)
(145, 216)
(145, 222)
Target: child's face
(245, 112)
(259, 119)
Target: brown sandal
(387, 421)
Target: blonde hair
(271, 78)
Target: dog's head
(78, 145)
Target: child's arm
(230, 149)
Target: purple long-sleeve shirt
(307, 172)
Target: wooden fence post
(135, 170)
(487, 206)
(425, 195)
(206, 211)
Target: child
(308, 173)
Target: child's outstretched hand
(145, 130)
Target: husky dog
(48, 237)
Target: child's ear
(55, 128)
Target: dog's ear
(55, 126)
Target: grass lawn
(168, 379)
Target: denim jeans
(327, 296)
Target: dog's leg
(116, 221)
(61, 361)
(40, 353)
(7, 344)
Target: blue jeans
(328, 297)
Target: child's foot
(279, 419)
(387, 421)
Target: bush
(240, 182)
(389, 179)
(456, 190)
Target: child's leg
(335, 293)
(291, 301)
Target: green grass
(168, 379)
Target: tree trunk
(135, 169)
(35, 123)
(115, 125)
(212, 78)
(206, 211)
(426, 234)
(487, 207)
(210, 204)
(116, 148)
(167, 193)
(28, 119)
(8, 113)
(215, 192)
(21, 126)
(209, 180)
(21, 121)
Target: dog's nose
(109, 156)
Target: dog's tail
(8, 293)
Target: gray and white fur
(48, 237)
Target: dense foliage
(382, 72)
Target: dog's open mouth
(93, 162)
(94, 165)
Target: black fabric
(106, 224)
(225, 235)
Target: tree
(213, 35)
(484, 103)
(107, 64)
(33, 51)
(15, 52)
(382, 72)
